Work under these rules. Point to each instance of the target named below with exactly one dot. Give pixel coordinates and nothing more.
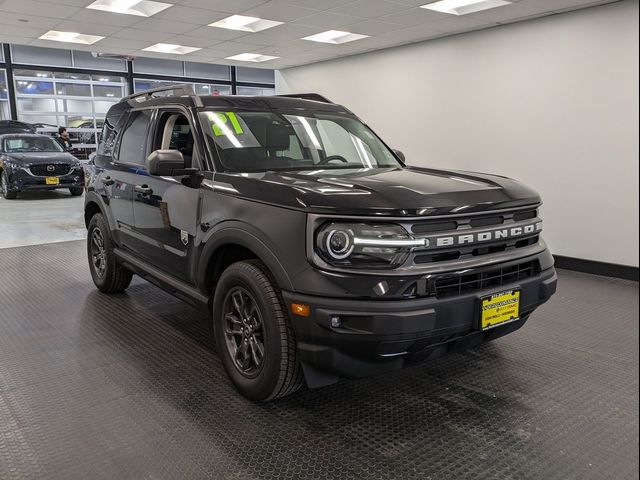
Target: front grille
(44, 170)
(476, 221)
(425, 258)
(469, 226)
(495, 278)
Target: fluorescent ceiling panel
(141, 8)
(170, 48)
(464, 7)
(245, 24)
(335, 37)
(251, 57)
(70, 37)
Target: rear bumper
(379, 336)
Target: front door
(165, 210)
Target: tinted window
(110, 129)
(134, 138)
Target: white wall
(552, 102)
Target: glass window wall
(77, 101)
(141, 85)
(251, 91)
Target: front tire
(108, 275)
(4, 184)
(253, 335)
(76, 191)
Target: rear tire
(76, 191)
(253, 335)
(108, 275)
(4, 184)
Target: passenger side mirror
(400, 155)
(168, 163)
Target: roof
(271, 103)
(184, 94)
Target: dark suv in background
(30, 161)
(319, 253)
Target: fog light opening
(336, 322)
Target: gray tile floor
(129, 387)
(41, 217)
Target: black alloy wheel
(98, 253)
(107, 273)
(244, 333)
(253, 333)
(4, 186)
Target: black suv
(319, 253)
(29, 161)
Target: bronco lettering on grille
(485, 236)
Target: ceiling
(387, 22)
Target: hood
(408, 191)
(34, 158)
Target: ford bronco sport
(318, 252)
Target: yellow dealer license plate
(52, 181)
(500, 308)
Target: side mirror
(167, 163)
(400, 155)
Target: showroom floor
(129, 387)
(41, 217)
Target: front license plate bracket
(499, 308)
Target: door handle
(108, 181)
(144, 189)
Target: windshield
(259, 141)
(31, 144)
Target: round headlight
(339, 244)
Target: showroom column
(10, 85)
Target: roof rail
(308, 96)
(182, 90)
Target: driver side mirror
(400, 155)
(167, 163)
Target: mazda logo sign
(51, 168)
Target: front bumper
(377, 336)
(21, 180)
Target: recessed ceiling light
(70, 37)
(141, 8)
(170, 48)
(245, 24)
(335, 37)
(251, 57)
(463, 7)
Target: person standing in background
(63, 138)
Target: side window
(108, 138)
(134, 138)
(174, 133)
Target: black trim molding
(597, 268)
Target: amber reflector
(301, 309)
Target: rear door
(119, 174)
(166, 208)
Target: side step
(168, 283)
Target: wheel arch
(234, 243)
(93, 204)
